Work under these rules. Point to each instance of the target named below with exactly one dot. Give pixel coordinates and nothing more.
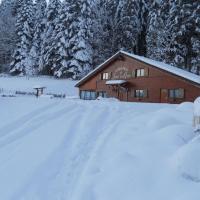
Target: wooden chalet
(133, 78)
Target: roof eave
(99, 68)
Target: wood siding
(154, 81)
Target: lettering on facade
(123, 73)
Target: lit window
(105, 76)
(141, 93)
(176, 93)
(140, 72)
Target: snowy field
(69, 149)
(26, 84)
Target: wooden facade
(133, 80)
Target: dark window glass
(82, 95)
(88, 95)
(176, 93)
(140, 93)
(171, 94)
(102, 94)
(92, 95)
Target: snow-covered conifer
(80, 49)
(38, 35)
(182, 25)
(7, 33)
(24, 31)
(47, 56)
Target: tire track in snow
(102, 140)
(30, 168)
(8, 128)
(32, 125)
(84, 147)
(44, 178)
(73, 154)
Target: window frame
(88, 95)
(140, 72)
(176, 93)
(105, 76)
(102, 94)
(143, 93)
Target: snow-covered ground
(69, 149)
(26, 84)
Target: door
(164, 96)
(123, 94)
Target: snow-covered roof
(174, 70)
(115, 82)
(38, 87)
(160, 65)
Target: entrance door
(123, 94)
(164, 96)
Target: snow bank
(196, 119)
(188, 160)
(197, 107)
(186, 106)
(108, 99)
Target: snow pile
(188, 160)
(111, 99)
(197, 114)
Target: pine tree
(61, 44)
(153, 31)
(7, 33)
(24, 26)
(80, 49)
(143, 12)
(39, 28)
(181, 25)
(196, 42)
(117, 27)
(127, 25)
(47, 60)
(158, 36)
(103, 30)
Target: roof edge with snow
(159, 65)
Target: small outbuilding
(39, 90)
(133, 78)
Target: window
(141, 93)
(139, 72)
(142, 72)
(176, 93)
(102, 94)
(105, 76)
(88, 95)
